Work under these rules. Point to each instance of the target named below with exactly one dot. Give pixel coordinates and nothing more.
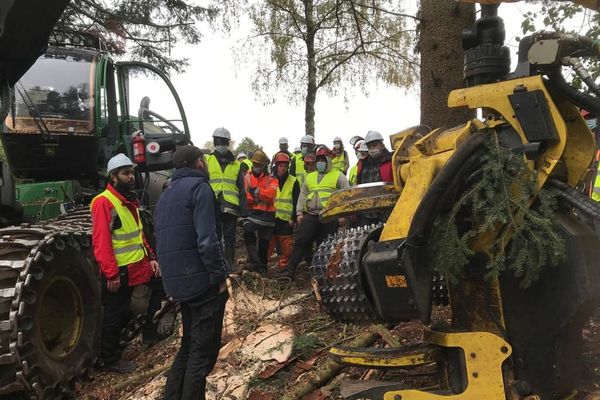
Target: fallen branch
(327, 371)
(386, 335)
(138, 377)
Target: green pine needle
(527, 240)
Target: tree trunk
(311, 90)
(442, 22)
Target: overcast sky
(215, 92)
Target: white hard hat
(222, 133)
(283, 140)
(240, 155)
(363, 146)
(355, 139)
(297, 149)
(118, 161)
(357, 144)
(307, 139)
(337, 139)
(373, 136)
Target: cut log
(327, 371)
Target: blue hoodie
(187, 225)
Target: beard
(124, 187)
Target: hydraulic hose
(585, 101)
(414, 253)
(582, 73)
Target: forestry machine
(505, 339)
(66, 108)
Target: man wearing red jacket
(261, 192)
(376, 167)
(123, 255)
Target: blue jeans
(202, 325)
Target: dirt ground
(275, 339)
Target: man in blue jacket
(189, 247)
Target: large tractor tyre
(66, 319)
(50, 308)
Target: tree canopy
(306, 46)
(145, 29)
(246, 145)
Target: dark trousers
(114, 318)
(257, 239)
(310, 231)
(202, 321)
(229, 222)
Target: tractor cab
(74, 109)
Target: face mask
(359, 155)
(304, 150)
(256, 170)
(591, 123)
(375, 153)
(337, 146)
(321, 166)
(221, 149)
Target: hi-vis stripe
(227, 180)
(125, 236)
(133, 247)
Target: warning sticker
(395, 281)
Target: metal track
(336, 268)
(340, 287)
(24, 252)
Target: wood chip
(272, 369)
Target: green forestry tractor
(487, 217)
(63, 116)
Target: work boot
(120, 367)
(253, 262)
(287, 273)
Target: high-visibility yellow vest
(248, 163)
(596, 189)
(224, 181)
(353, 176)
(324, 188)
(284, 204)
(300, 171)
(127, 241)
(339, 162)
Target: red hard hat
(323, 151)
(282, 158)
(309, 158)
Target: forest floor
(275, 344)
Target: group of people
(277, 201)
